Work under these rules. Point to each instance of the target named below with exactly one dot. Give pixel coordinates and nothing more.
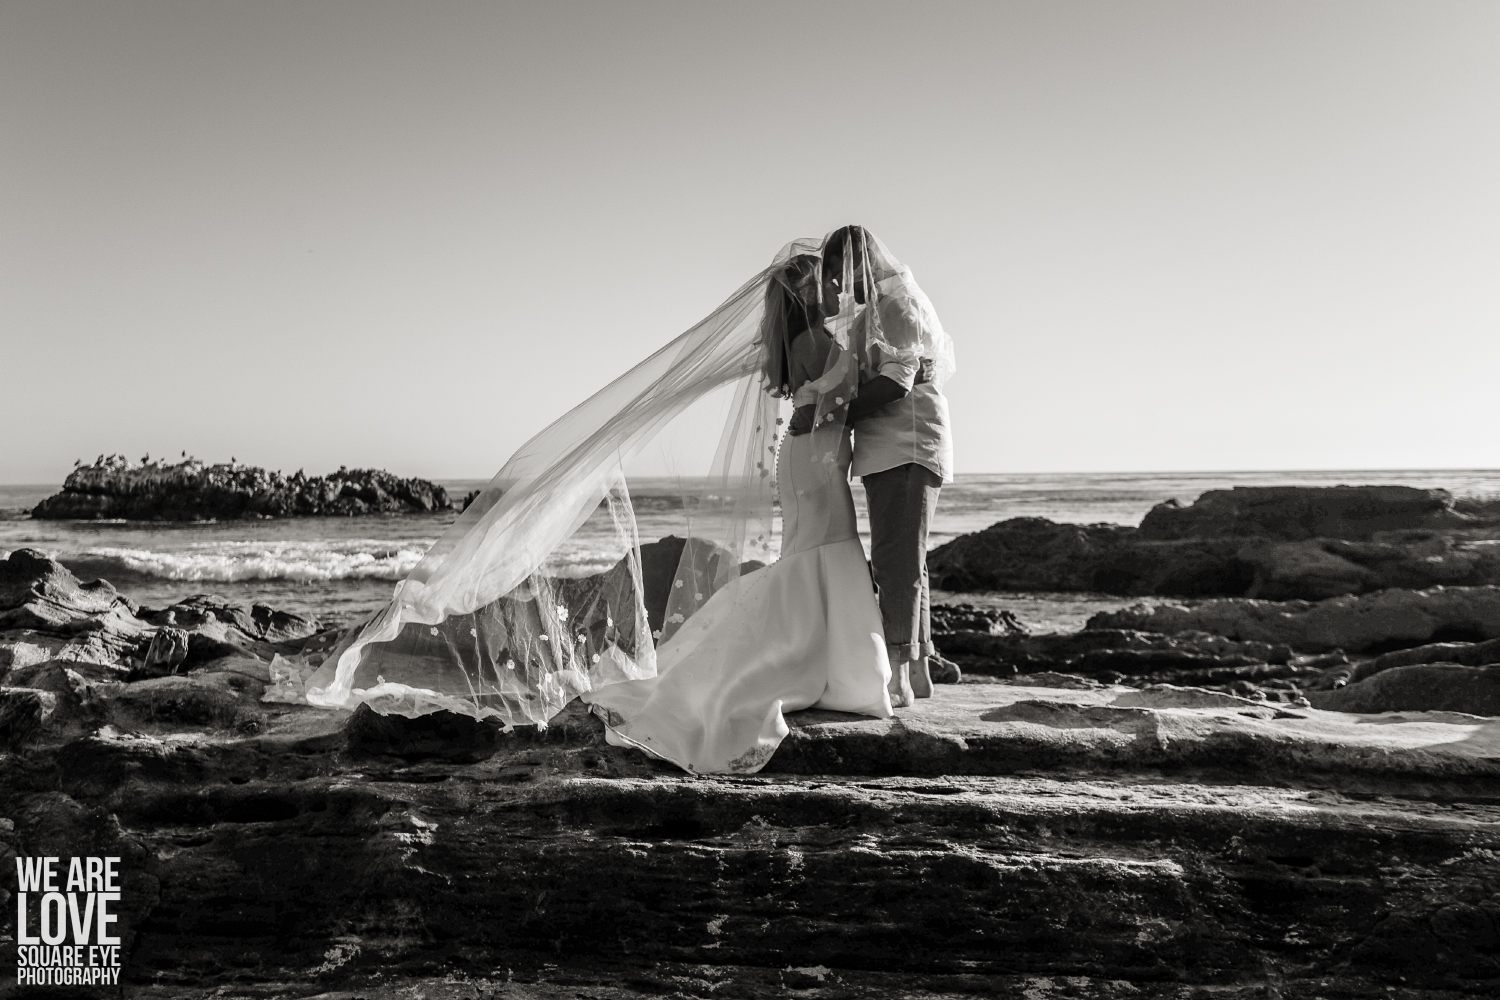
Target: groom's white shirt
(913, 429)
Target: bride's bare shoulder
(809, 353)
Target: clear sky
(1164, 236)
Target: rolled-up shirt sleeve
(899, 351)
(902, 373)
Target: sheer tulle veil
(487, 625)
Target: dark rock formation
(1374, 623)
(1033, 553)
(1482, 509)
(660, 562)
(23, 712)
(1297, 513)
(1328, 567)
(941, 670)
(77, 656)
(1258, 649)
(192, 491)
(1469, 654)
(1119, 655)
(1275, 543)
(1421, 687)
(963, 617)
(1224, 646)
(47, 614)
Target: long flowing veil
(492, 624)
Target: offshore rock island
(115, 488)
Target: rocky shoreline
(1234, 796)
(115, 488)
(1275, 543)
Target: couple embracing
(834, 361)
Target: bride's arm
(802, 419)
(874, 394)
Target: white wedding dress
(804, 632)
(492, 625)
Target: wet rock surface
(191, 491)
(47, 613)
(1131, 841)
(1274, 543)
(1379, 622)
(1051, 832)
(1274, 651)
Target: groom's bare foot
(921, 680)
(900, 686)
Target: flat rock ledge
(1126, 842)
(1246, 817)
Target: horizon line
(1070, 472)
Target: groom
(903, 451)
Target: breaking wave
(297, 561)
(302, 561)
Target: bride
(701, 670)
(800, 633)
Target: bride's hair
(791, 309)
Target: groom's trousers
(902, 501)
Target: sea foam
(299, 561)
(303, 561)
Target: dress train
(804, 632)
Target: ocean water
(341, 568)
